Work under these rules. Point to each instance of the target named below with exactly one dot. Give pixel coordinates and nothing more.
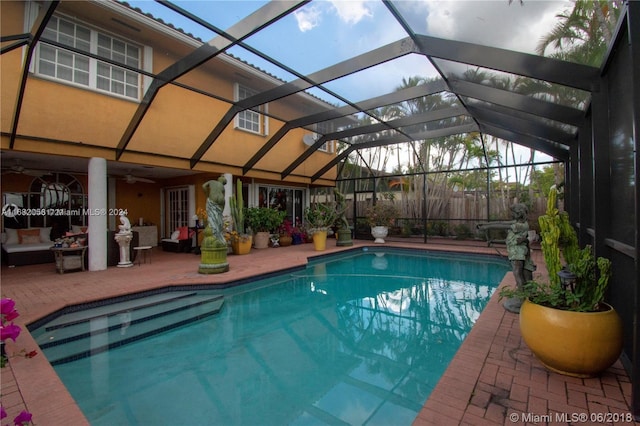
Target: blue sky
(326, 32)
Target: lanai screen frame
(590, 154)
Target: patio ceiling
(409, 46)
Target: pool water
(357, 338)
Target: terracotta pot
(578, 344)
(285, 240)
(261, 240)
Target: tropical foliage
(586, 277)
(382, 214)
(428, 173)
(264, 219)
(320, 216)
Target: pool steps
(84, 333)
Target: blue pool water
(359, 338)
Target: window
(177, 208)
(57, 191)
(76, 68)
(324, 128)
(251, 120)
(289, 200)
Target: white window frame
(258, 118)
(128, 83)
(323, 128)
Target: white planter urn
(379, 233)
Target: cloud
(352, 11)
(308, 18)
(520, 26)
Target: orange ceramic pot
(579, 344)
(242, 245)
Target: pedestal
(124, 240)
(213, 260)
(344, 237)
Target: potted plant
(380, 216)
(263, 220)
(319, 217)
(298, 233)
(239, 238)
(285, 232)
(564, 319)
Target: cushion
(175, 235)
(12, 236)
(184, 233)
(30, 239)
(28, 232)
(45, 235)
(77, 229)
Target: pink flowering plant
(8, 330)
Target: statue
(344, 231)
(519, 253)
(123, 238)
(126, 224)
(213, 250)
(215, 190)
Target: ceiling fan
(18, 168)
(129, 178)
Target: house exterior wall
(60, 118)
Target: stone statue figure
(126, 225)
(123, 238)
(344, 231)
(341, 208)
(215, 204)
(519, 253)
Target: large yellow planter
(320, 240)
(242, 245)
(579, 344)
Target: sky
(325, 32)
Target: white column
(98, 218)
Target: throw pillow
(77, 229)
(12, 236)
(184, 233)
(30, 239)
(45, 235)
(175, 235)
(28, 232)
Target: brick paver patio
(493, 379)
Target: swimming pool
(355, 338)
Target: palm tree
(583, 34)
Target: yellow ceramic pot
(242, 245)
(579, 344)
(320, 240)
